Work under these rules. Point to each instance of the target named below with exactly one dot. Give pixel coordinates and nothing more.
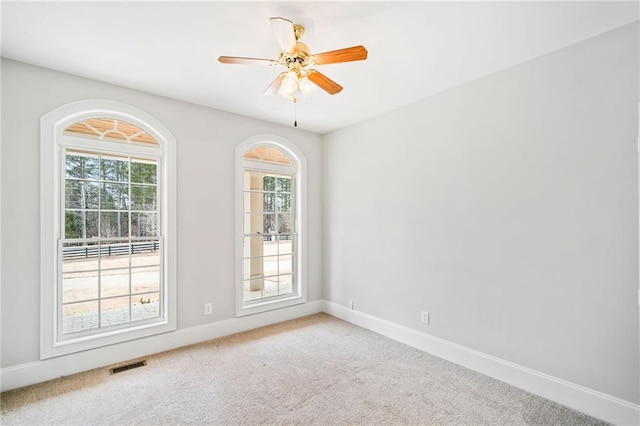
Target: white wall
(508, 208)
(206, 140)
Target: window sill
(104, 339)
(270, 305)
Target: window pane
(114, 224)
(114, 282)
(269, 183)
(145, 253)
(283, 203)
(252, 267)
(285, 223)
(252, 249)
(269, 204)
(145, 306)
(74, 224)
(114, 311)
(270, 287)
(270, 247)
(144, 224)
(269, 223)
(253, 223)
(285, 244)
(283, 184)
(285, 264)
(79, 257)
(79, 317)
(252, 289)
(270, 265)
(115, 255)
(145, 280)
(79, 286)
(143, 197)
(114, 196)
(253, 202)
(253, 180)
(81, 166)
(114, 169)
(285, 284)
(80, 224)
(143, 171)
(80, 194)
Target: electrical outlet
(424, 317)
(351, 304)
(208, 308)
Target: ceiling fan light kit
(295, 56)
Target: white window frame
(299, 170)
(52, 141)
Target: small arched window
(107, 251)
(270, 202)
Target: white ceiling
(416, 49)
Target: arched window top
(268, 154)
(111, 129)
(271, 151)
(108, 123)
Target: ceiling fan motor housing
(297, 60)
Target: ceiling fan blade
(275, 85)
(283, 30)
(246, 61)
(324, 82)
(348, 54)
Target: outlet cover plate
(208, 308)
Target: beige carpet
(314, 370)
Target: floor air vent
(127, 367)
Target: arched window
(108, 219)
(270, 187)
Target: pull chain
(295, 113)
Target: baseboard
(52, 368)
(589, 401)
(597, 404)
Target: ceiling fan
(295, 56)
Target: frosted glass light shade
(306, 86)
(289, 85)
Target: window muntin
(268, 154)
(110, 251)
(130, 133)
(270, 225)
(111, 129)
(269, 235)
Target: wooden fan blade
(348, 54)
(246, 61)
(324, 82)
(283, 30)
(275, 85)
